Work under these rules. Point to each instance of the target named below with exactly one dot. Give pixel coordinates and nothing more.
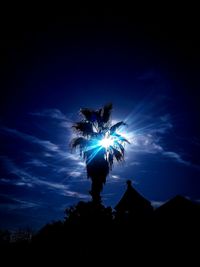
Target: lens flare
(106, 142)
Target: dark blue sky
(51, 67)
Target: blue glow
(107, 142)
(91, 157)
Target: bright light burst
(99, 143)
(107, 142)
(99, 137)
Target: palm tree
(99, 144)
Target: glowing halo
(106, 142)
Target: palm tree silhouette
(99, 144)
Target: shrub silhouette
(92, 231)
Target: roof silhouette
(178, 205)
(132, 201)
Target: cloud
(62, 169)
(62, 166)
(54, 114)
(115, 177)
(74, 157)
(24, 184)
(75, 174)
(12, 203)
(146, 130)
(4, 199)
(165, 124)
(165, 118)
(157, 125)
(66, 124)
(59, 188)
(82, 164)
(157, 204)
(51, 113)
(49, 146)
(145, 143)
(176, 157)
(134, 163)
(162, 127)
(26, 179)
(47, 155)
(32, 139)
(149, 144)
(147, 134)
(36, 162)
(75, 194)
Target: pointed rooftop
(177, 206)
(133, 202)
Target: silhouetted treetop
(99, 144)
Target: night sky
(52, 66)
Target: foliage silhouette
(94, 129)
(93, 233)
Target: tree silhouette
(99, 144)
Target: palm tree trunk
(96, 188)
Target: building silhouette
(132, 205)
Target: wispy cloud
(62, 166)
(178, 158)
(26, 178)
(36, 162)
(145, 143)
(150, 144)
(175, 156)
(152, 125)
(75, 174)
(134, 163)
(51, 113)
(12, 203)
(54, 114)
(157, 204)
(163, 125)
(30, 138)
(74, 194)
(49, 146)
(24, 184)
(115, 176)
(66, 124)
(59, 188)
(147, 137)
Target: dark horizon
(51, 68)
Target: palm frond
(84, 127)
(110, 160)
(116, 126)
(117, 154)
(120, 147)
(106, 112)
(81, 143)
(97, 117)
(91, 115)
(121, 138)
(87, 113)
